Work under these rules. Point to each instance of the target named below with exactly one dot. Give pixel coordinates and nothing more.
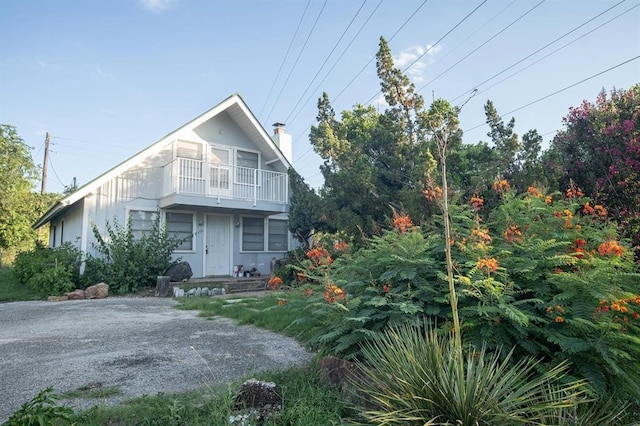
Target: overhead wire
(435, 44)
(326, 60)
(371, 60)
(560, 48)
(560, 91)
(298, 58)
(483, 44)
(537, 51)
(374, 56)
(332, 68)
(286, 55)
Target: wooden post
(162, 286)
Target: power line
(286, 55)
(298, 58)
(326, 59)
(559, 91)
(374, 57)
(483, 44)
(339, 58)
(443, 37)
(371, 60)
(537, 51)
(453, 49)
(435, 44)
(87, 142)
(561, 47)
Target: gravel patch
(141, 346)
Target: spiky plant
(411, 377)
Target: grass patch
(91, 391)
(268, 311)
(305, 402)
(12, 291)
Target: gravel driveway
(138, 345)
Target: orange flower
(340, 246)
(331, 292)
(512, 233)
(488, 264)
(559, 319)
(535, 192)
(501, 186)
(574, 192)
(282, 302)
(480, 236)
(476, 202)
(402, 223)
(320, 256)
(611, 248)
(308, 291)
(432, 193)
(275, 282)
(548, 199)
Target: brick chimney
(283, 141)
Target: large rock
(258, 400)
(96, 291)
(179, 272)
(75, 295)
(57, 298)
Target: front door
(218, 246)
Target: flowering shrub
(532, 276)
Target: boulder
(57, 298)
(96, 291)
(259, 399)
(179, 272)
(75, 294)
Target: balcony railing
(201, 178)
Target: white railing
(186, 176)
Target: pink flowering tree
(599, 149)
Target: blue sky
(108, 78)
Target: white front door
(218, 246)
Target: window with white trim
(180, 226)
(278, 235)
(252, 234)
(141, 221)
(255, 237)
(247, 162)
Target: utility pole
(44, 164)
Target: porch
(217, 182)
(229, 284)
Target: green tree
(19, 206)
(305, 216)
(374, 163)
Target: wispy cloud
(157, 5)
(417, 59)
(102, 74)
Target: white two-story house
(220, 181)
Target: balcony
(195, 182)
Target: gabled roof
(237, 109)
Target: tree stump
(162, 286)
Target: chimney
(283, 141)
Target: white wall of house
(67, 229)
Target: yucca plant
(411, 377)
